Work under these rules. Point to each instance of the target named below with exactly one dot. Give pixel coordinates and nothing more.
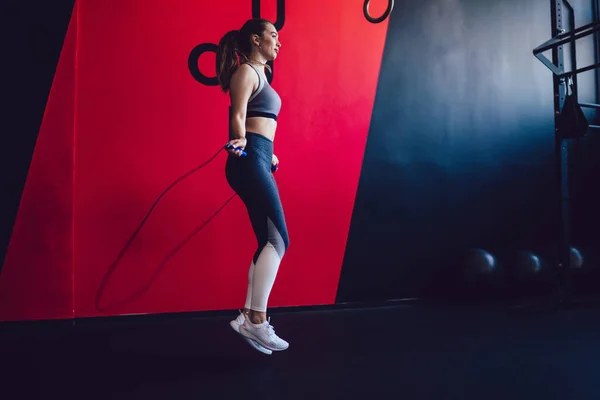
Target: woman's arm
(243, 83)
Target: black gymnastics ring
(386, 14)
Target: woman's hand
(238, 146)
(274, 163)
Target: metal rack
(560, 78)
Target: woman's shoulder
(245, 72)
(245, 67)
(244, 76)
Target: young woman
(242, 58)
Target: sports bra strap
(261, 83)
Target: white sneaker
(236, 323)
(263, 334)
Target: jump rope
(115, 263)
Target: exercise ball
(576, 258)
(479, 262)
(528, 264)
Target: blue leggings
(251, 178)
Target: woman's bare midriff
(263, 126)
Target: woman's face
(269, 44)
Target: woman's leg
(238, 174)
(268, 221)
(253, 181)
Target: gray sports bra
(264, 102)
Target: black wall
(460, 152)
(32, 39)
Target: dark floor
(416, 352)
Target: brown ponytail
(227, 57)
(235, 46)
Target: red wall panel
(37, 275)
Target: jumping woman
(242, 58)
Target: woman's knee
(282, 239)
(280, 243)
